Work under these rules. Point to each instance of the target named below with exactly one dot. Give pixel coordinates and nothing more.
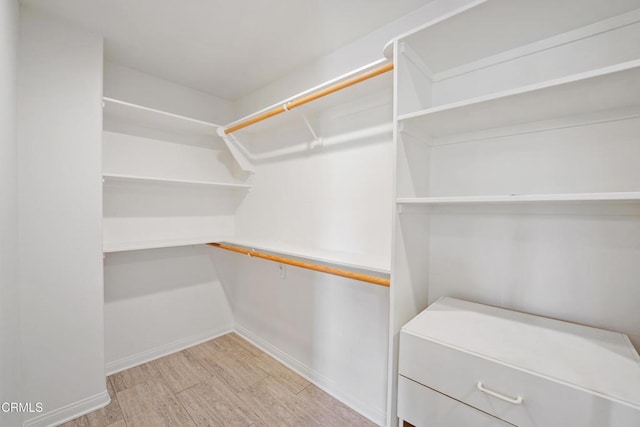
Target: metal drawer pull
(516, 401)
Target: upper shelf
(156, 119)
(371, 263)
(613, 87)
(149, 179)
(484, 28)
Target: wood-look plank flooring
(222, 382)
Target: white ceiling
(227, 48)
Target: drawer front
(545, 403)
(422, 406)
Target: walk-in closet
(320, 213)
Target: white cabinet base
(526, 370)
(422, 406)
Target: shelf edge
(149, 179)
(303, 255)
(523, 90)
(160, 112)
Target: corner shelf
(370, 263)
(157, 119)
(148, 179)
(608, 88)
(123, 246)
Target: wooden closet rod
(311, 97)
(316, 267)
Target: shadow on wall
(367, 120)
(134, 274)
(160, 200)
(226, 265)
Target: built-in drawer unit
(527, 370)
(422, 406)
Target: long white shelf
(468, 33)
(149, 179)
(156, 119)
(632, 196)
(122, 246)
(608, 88)
(358, 261)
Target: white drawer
(422, 406)
(546, 402)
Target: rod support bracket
(235, 148)
(317, 141)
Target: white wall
(9, 288)
(335, 198)
(576, 267)
(159, 301)
(134, 86)
(356, 54)
(332, 330)
(60, 206)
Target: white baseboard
(374, 414)
(164, 350)
(69, 412)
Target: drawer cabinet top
(598, 361)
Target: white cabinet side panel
(10, 387)
(60, 207)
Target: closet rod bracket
(317, 141)
(240, 155)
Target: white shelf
(121, 246)
(155, 119)
(148, 179)
(366, 262)
(609, 88)
(633, 196)
(469, 33)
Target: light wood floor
(222, 382)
